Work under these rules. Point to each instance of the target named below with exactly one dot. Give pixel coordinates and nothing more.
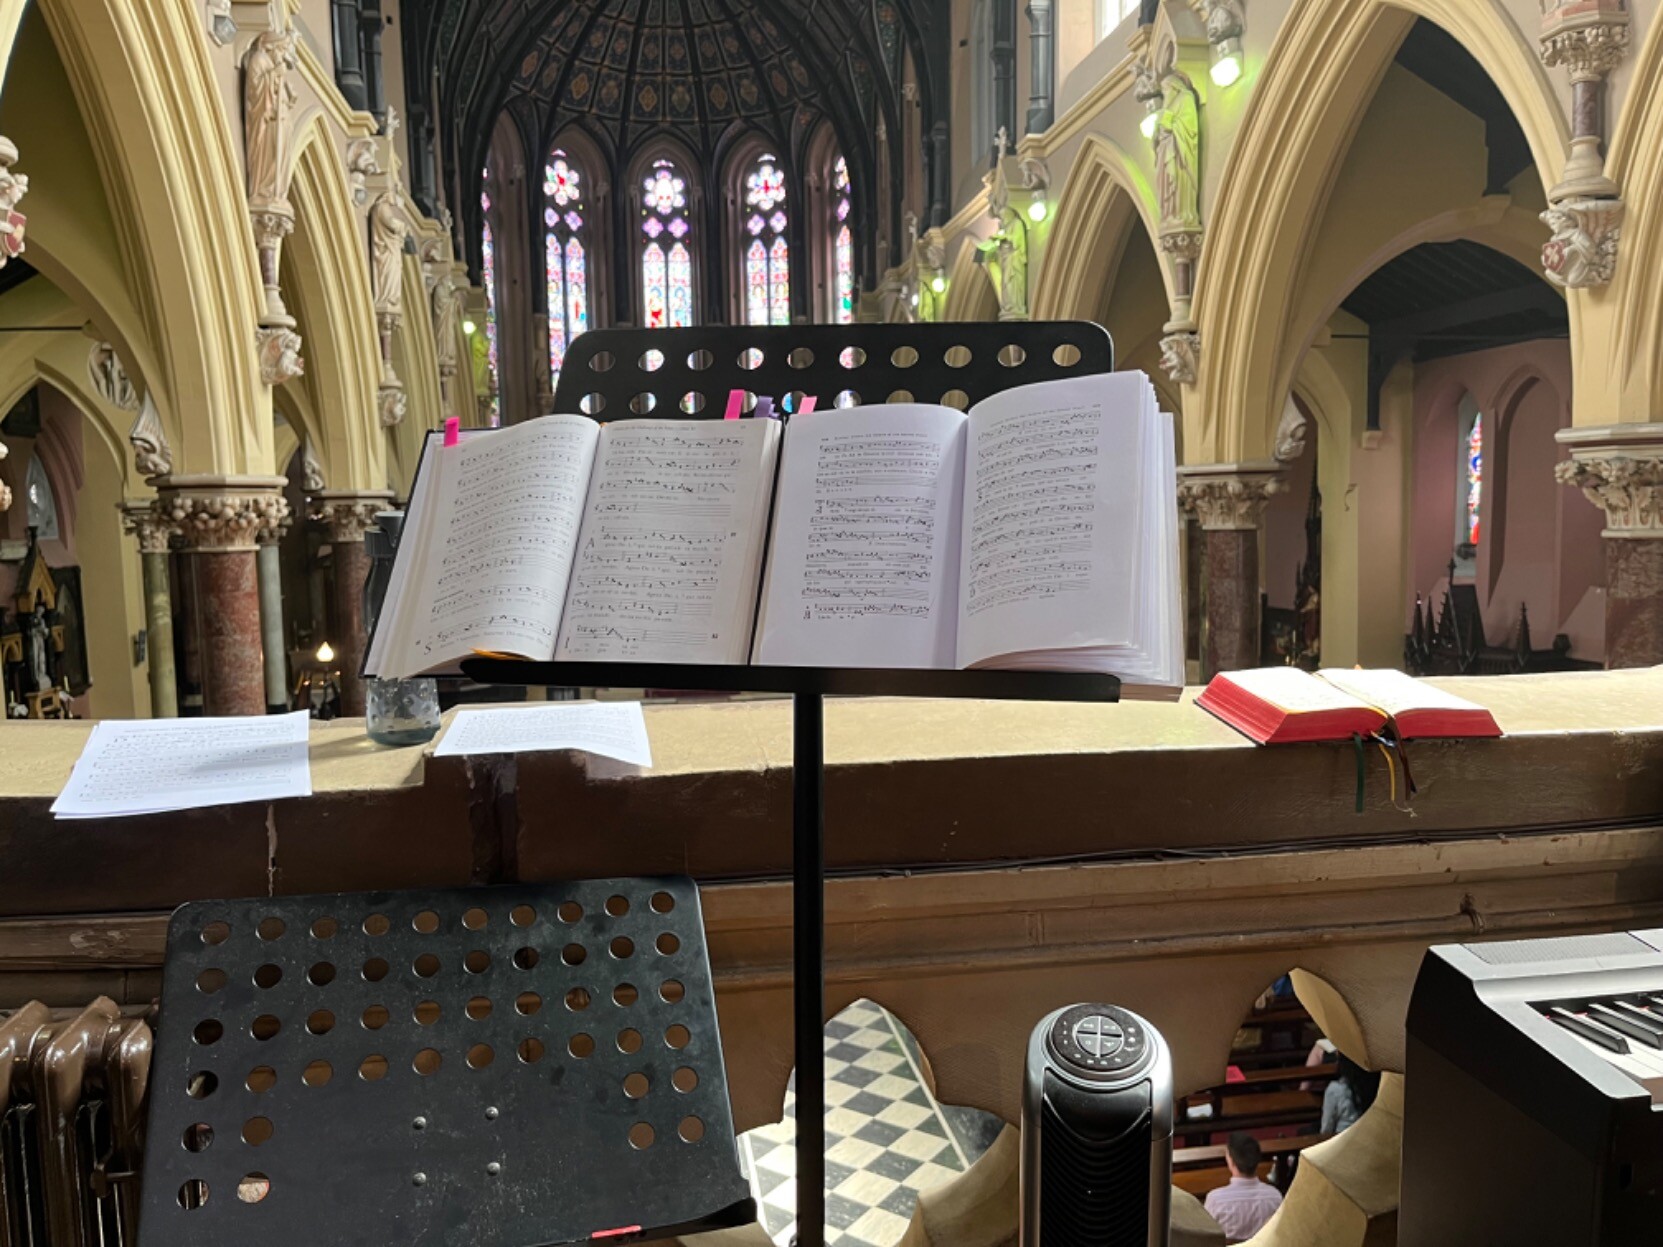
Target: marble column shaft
(139, 519)
(1633, 602)
(275, 650)
(219, 519)
(1229, 501)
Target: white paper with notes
(146, 766)
(613, 729)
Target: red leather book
(1280, 705)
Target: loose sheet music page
(863, 570)
(498, 550)
(1052, 518)
(671, 547)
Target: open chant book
(1038, 531)
(1278, 705)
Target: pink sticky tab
(736, 405)
(453, 430)
(808, 405)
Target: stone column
(1042, 67)
(140, 519)
(348, 515)
(218, 519)
(269, 572)
(1228, 500)
(1620, 470)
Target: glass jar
(402, 711)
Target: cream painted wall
(112, 582)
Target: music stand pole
(808, 871)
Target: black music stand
(506, 1067)
(620, 373)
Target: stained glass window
(767, 273)
(565, 257)
(843, 248)
(488, 277)
(666, 261)
(1475, 476)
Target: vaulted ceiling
(704, 71)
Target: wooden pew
(1199, 1170)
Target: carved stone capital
(1228, 496)
(390, 405)
(1588, 37)
(223, 513)
(13, 186)
(141, 518)
(272, 223)
(1620, 470)
(280, 359)
(1182, 244)
(1583, 250)
(1181, 356)
(347, 514)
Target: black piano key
(1592, 1031)
(1654, 1018)
(1647, 1032)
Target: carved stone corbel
(151, 454)
(1291, 432)
(109, 379)
(1583, 250)
(1181, 356)
(311, 471)
(390, 405)
(280, 359)
(13, 186)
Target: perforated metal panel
(614, 374)
(516, 1066)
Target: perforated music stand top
(615, 374)
(499, 1067)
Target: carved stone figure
(311, 471)
(1181, 356)
(1583, 250)
(267, 98)
(150, 449)
(1005, 258)
(1146, 84)
(37, 631)
(13, 186)
(1177, 153)
(387, 230)
(109, 378)
(280, 359)
(361, 165)
(1291, 433)
(445, 318)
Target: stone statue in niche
(150, 449)
(37, 640)
(1291, 433)
(267, 98)
(1583, 250)
(1178, 152)
(445, 295)
(109, 379)
(387, 231)
(1005, 259)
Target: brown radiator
(71, 1124)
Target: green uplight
(468, 327)
(1226, 70)
(1036, 211)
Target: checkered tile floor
(886, 1138)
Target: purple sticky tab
(453, 430)
(736, 405)
(764, 408)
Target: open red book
(1276, 705)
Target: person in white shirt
(1244, 1204)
